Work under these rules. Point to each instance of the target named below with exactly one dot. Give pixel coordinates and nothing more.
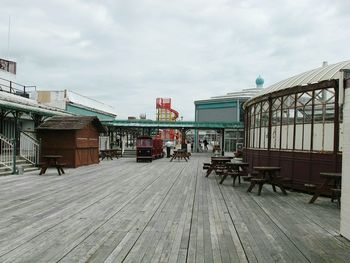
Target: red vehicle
(148, 148)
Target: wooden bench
(256, 181)
(115, 153)
(336, 195)
(106, 154)
(43, 167)
(268, 175)
(250, 176)
(206, 166)
(285, 181)
(179, 155)
(58, 166)
(331, 180)
(220, 169)
(238, 175)
(310, 188)
(247, 178)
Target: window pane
(276, 117)
(256, 139)
(265, 119)
(275, 137)
(276, 104)
(329, 113)
(300, 115)
(284, 142)
(318, 114)
(328, 137)
(308, 114)
(324, 96)
(307, 137)
(265, 107)
(264, 138)
(285, 116)
(299, 137)
(288, 102)
(304, 98)
(251, 138)
(257, 120)
(317, 137)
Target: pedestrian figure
(205, 142)
(200, 149)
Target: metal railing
(6, 152)
(29, 148)
(15, 88)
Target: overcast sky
(126, 53)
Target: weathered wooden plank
(64, 213)
(262, 240)
(162, 211)
(91, 211)
(145, 207)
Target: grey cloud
(127, 53)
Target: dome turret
(259, 82)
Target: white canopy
(327, 72)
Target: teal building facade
(226, 108)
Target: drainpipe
(222, 142)
(14, 165)
(14, 168)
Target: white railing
(6, 152)
(29, 148)
(103, 143)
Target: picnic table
(180, 154)
(110, 153)
(330, 180)
(216, 162)
(266, 174)
(235, 169)
(51, 161)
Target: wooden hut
(73, 137)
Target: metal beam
(173, 124)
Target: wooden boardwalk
(162, 211)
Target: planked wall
(345, 199)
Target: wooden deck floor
(121, 210)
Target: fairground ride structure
(166, 113)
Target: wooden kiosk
(75, 138)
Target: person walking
(205, 142)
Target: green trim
(173, 124)
(215, 101)
(81, 110)
(232, 104)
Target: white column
(345, 198)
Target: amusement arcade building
(297, 124)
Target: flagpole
(8, 38)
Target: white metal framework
(309, 77)
(296, 114)
(6, 152)
(29, 148)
